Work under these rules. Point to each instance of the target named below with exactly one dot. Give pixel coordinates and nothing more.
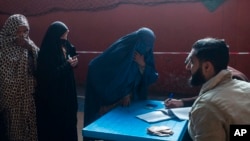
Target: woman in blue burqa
(122, 73)
(56, 97)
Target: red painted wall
(176, 25)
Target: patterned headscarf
(17, 85)
(8, 32)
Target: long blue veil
(114, 73)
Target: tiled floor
(80, 97)
(80, 125)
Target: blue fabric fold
(114, 74)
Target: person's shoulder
(224, 94)
(236, 74)
(240, 85)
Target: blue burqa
(114, 74)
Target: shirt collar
(221, 78)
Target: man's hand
(173, 103)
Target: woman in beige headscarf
(17, 83)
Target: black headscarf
(51, 54)
(56, 99)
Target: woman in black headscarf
(121, 73)
(56, 92)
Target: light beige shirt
(222, 101)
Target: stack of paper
(180, 113)
(165, 114)
(154, 116)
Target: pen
(170, 96)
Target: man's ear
(208, 69)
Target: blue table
(121, 124)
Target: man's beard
(197, 79)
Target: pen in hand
(170, 97)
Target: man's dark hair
(214, 50)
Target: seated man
(222, 101)
(186, 102)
